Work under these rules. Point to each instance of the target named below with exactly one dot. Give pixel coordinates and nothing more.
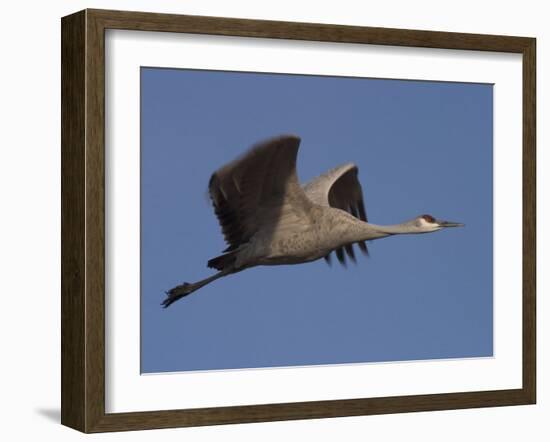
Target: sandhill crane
(267, 218)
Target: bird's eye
(429, 218)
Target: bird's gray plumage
(340, 188)
(268, 218)
(258, 191)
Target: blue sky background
(421, 147)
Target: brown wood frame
(83, 216)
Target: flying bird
(268, 218)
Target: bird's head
(427, 223)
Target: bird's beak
(449, 224)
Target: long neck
(395, 229)
(362, 231)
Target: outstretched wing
(340, 188)
(258, 190)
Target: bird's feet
(178, 292)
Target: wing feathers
(261, 187)
(256, 188)
(340, 188)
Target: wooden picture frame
(83, 220)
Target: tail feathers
(223, 261)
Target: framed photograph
(270, 220)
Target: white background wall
(30, 216)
